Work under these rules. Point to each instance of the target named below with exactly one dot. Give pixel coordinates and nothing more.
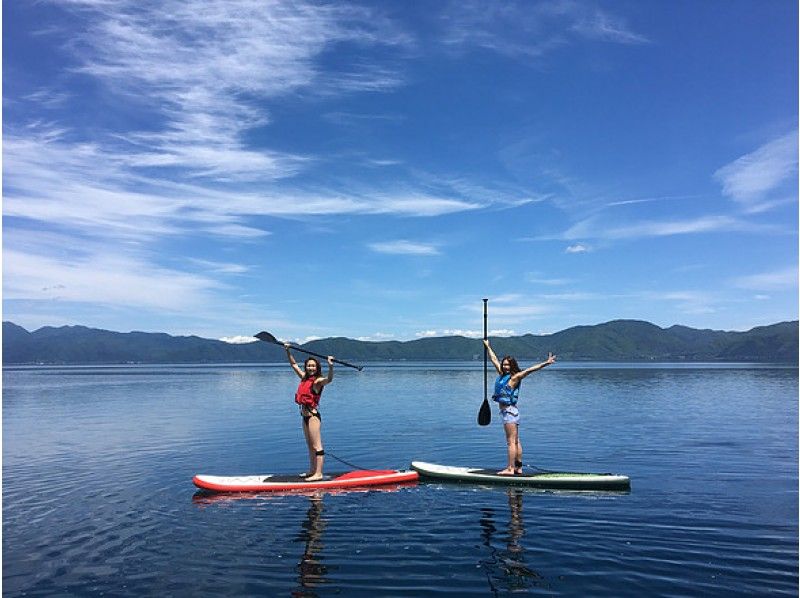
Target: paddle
(268, 338)
(485, 412)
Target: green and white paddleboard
(551, 480)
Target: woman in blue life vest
(308, 395)
(506, 393)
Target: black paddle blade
(485, 414)
(266, 336)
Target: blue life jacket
(503, 393)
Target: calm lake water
(98, 498)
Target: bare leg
(310, 450)
(512, 441)
(314, 446)
(518, 468)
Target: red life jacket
(305, 394)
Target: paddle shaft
(485, 412)
(485, 350)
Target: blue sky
(373, 170)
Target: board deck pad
(554, 480)
(283, 482)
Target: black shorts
(308, 413)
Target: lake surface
(98, 498)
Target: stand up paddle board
(270, 482)
(547, 480)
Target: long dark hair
(306, 375)
(512, 362)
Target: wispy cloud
(646, 200)
(769, 281)
(48, 98)
(207, 70)
(594, 228)
(358, 119)
(113, 280)
(219, 267)
(530, 30)
(510, 309)
(81, 187)
(538, 278)
(404, 247)
(687, 302)
(751, 179)
(602, 26)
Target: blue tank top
(503, 393)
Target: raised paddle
(268, 338)
(485, 412)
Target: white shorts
(510, 414)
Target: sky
(375, 169)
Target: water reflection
(311, 569)
(506, 569)
(312, 572)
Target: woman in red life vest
(308, 394)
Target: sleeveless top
(503, 393)
(306, 395)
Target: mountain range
(618, 340)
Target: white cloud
(239, 340)
(403, 247)
(377, 337)
(502, 332)
(427, 333)
(463, 332)
(750, 179)
(577, 248)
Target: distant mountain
(81, 345)
(619, 340)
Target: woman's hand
(550, 359)
(330, 360)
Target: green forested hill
(619, 340)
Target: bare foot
(314, 478)
(506, 471)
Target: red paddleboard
(271, 483)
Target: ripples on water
(97, 494)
